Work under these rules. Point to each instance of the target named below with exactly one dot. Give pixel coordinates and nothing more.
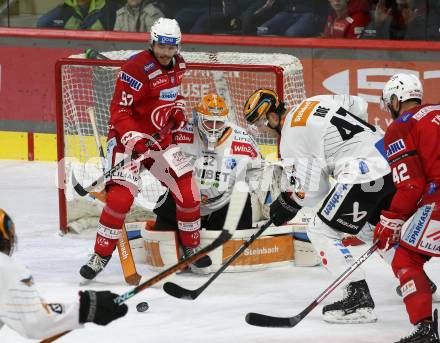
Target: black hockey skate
(356, 306)
(425, 331)
(201, 266)
(95, 265)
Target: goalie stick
(182, 293)
(236, 206)
(258, 319)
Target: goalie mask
(7, 233)
(260, 104)
(402, 86)
(211, 118)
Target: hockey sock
(416, 290)
(119, 201)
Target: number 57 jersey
(324, 136)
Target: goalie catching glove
(99, 307)
(283, 209)
(388, 230)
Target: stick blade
(77, 186)
(257, 319)
(179, 292)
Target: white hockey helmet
(404, 87)
(165, 31)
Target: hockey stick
(83, 191)
(131, 275)
(258, 319)
(182, 293)
(236, 206)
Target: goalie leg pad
(334, 255)
(416, 290)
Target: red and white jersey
(144, 95)
(23, 310)
(412, 144)
(322, 137)
(235, 157)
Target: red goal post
(84, 84)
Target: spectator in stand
(296, 19)
(200, 16)
(80, 15)
(137, 15)
(245, 15)
(433, 20)
(238, 16)
(347, 19)
(399, 19)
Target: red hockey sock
(416, 291)
(119, 201)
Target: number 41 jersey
(321, 137)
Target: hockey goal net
(84, 84)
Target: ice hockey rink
(28, 193)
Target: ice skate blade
(361, 316)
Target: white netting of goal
(90, 86)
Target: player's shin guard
(416, 290)
(119, 201)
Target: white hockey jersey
(322, 138)
(23, 310)
(235, 157)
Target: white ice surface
(28, 193)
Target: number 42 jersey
(324, 136)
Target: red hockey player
(412, 144)
(146, 99)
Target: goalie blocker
(277, 247)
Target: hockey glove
(387, 231)
(178, 114)
(283, 209)
(99, 307)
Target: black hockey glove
(283, 209)
(99, 307)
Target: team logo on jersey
(242, 148)
(184, 137)
(132, 82)
(396, 147)
(405, 117)
(363, 167)
(169, 94)
(56, 308)
(160, 115)
(149, 66)
(230, 163)
(302, 113)
(28, 281)
(159, 81)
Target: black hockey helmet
(260, 103)
(7, 233)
